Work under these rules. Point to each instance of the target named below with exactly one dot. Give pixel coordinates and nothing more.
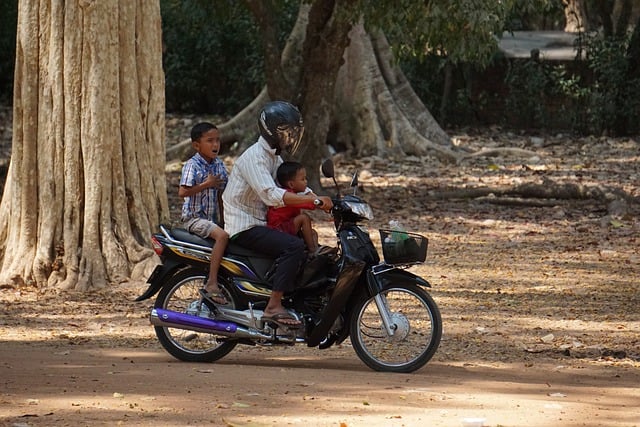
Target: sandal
(213, 299)
(284, 320)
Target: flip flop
(278, 320)
(213, 299)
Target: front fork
(383, 276)
(385, 314)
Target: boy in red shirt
(292, 176)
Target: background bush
(212, 57)
(8, 22)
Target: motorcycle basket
(402, 247)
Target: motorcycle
(392, 321)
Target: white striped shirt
(252, 188)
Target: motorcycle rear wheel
(180, 294)
(417, 325)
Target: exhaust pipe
(173, 319)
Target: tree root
(546, 193)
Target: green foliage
(213, 61)
(212, 58)
(8, 22)
(572, 93)
(614, 104)
(461, 30)
(535, 15)
(530, 86)
(427, 78)
(604, 100)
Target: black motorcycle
(393, 323)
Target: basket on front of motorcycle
(400, 247)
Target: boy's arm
(211, 181)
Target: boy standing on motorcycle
(252, 188)
(204, 177)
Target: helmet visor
(290, 137)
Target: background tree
(339, 68)
(86, 183)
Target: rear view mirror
(327, 171)
(327, 168)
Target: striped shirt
(205, 203)
(252, 188)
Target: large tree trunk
(378, 113)
(351, 93)
(327, 36)
(85, 186)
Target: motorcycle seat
(184, 235)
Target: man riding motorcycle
(252, 188)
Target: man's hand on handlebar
(324, 203)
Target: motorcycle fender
(349, 276)
(391, 277)
(160, 275)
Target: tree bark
(327, 36)
(575, 13)
(264, 13)
(378, 111)
(85, 185)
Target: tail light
(157, 246)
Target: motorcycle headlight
(361, 209)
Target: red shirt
(276, 217)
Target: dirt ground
(539, 304)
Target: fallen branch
(547, 189)
(518, 201)
(493, 152)
(543, 194)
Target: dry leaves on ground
(513, 283)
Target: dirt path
(84, 385)
(539, 305)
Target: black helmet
(281, 125)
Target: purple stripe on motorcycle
(195, 321)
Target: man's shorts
(200, 227)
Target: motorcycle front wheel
(180, 294)
(415, 323)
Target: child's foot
(214, 296)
